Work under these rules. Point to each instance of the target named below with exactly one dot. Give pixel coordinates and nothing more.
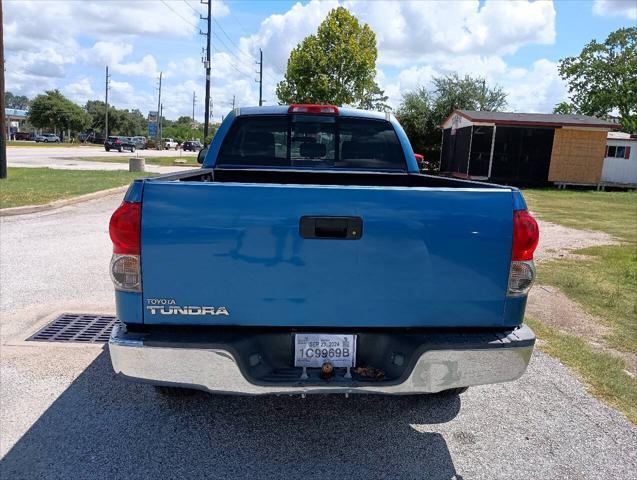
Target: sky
(68, 44)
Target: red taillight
(124, 228)
(116, 142)
(316, 109)
(526, 235)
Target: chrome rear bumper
(217, 371)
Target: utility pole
(260, 81)
(107, 81)
(159, 126)
(3, 124)
(192, 127)
(208, 18)
(233, 102)
(159, 145)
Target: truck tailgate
(427, 257)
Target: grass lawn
(36, 186)
(191, 161)
(604, 284)
(604, 373)
(610, 212)
(24, 143)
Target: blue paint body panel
(129, 307)
(428, 257)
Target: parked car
(192, 146)
(23, 136)
(140, 142)
(119, 144)
(169, 143)
(296, 263)
(47, 138)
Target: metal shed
(526, 148)
(620, 161)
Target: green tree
(20, 102)
(565, 108)
(603, 77)
(469, 93)
(335, 66)
(421, 111)
(54, 111)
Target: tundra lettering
(176, 310)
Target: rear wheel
(107, 149)
(132, 149)
(174, 391)
(119, 149)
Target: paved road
(63, 158)
(64, 415)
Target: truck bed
(266, 246)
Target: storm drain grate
(77, 327)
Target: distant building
(14, 118)
(524, 148)
(620, 161)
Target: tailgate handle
(331, 228)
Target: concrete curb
(7, 212)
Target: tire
(174, 391)
(46, 141)
(107, 149)
(119, 149)
(453, 391)
(132, 149)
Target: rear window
(312, 141)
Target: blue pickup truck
(310, 255)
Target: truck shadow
(103, 427)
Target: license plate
(315, 349)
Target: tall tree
(468, 93)
(603, 77)
(21, 102)
(54, 111)
(422, 111)
(335, 66)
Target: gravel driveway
(63, 414)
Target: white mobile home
(620, 162)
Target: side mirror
(420, 159)
(201, 156)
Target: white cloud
(80, 91)
(146, 67)
(624, 8)
(535, 89)
(423, 38)
(106, 53)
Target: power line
(179, 15)
(230, 39)
(191, 7)
(247, 75)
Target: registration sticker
(314, 349)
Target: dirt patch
(549, 305)
(557, 241)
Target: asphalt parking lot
(64, 158)
(65, 415)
